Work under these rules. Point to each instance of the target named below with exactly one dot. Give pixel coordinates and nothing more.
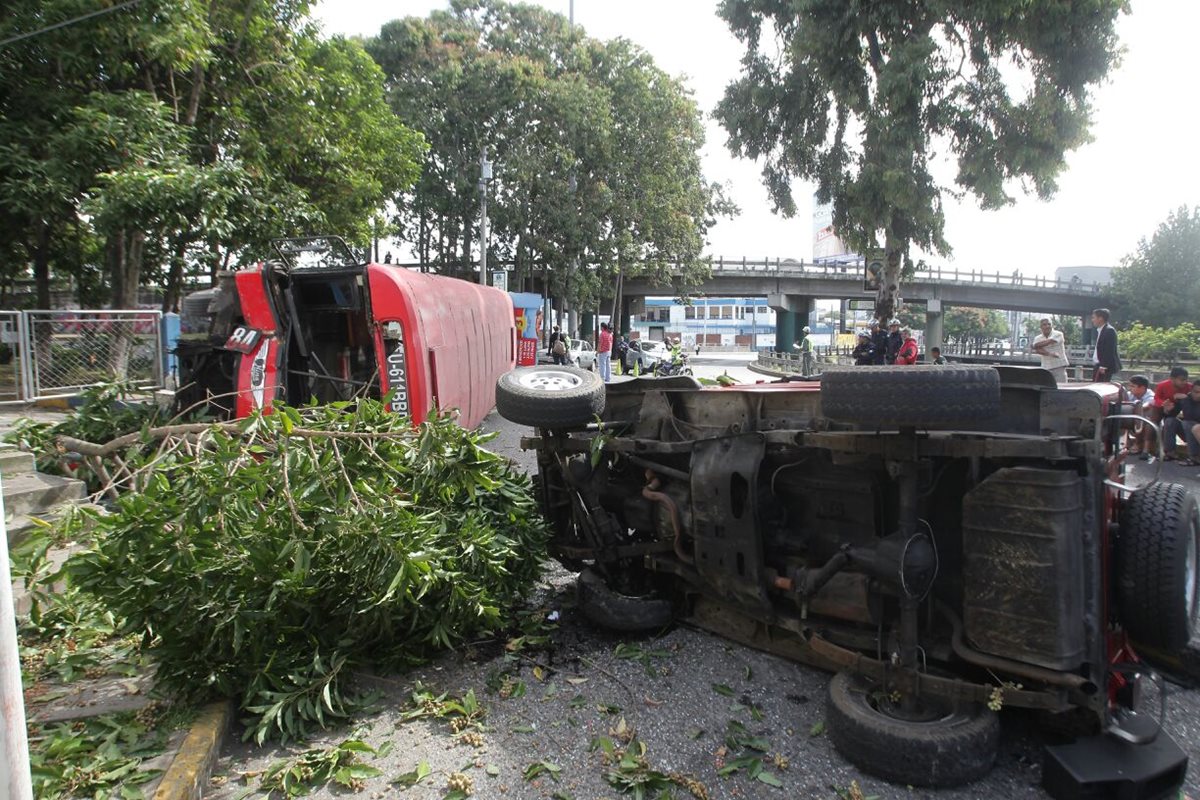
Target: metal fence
(11, 356)
(67, 350)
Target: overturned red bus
(322, 324)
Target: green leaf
(769, 779)
(415, 776)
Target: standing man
(1108, 362)
(558, 346)
(895, 341)
(862, 352)
(936, 356)
(604, 344)
(907, 355)
(1052, 347)
(805, 348)
(879, 343)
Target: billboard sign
(873, 267)
(826, 244)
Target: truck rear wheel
(918, 396)
(1158, 558)
(550, 396)
(609, 609)
(937, 745)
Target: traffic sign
(873, 266)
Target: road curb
(189, 770)
(770, 372)
(63, 403)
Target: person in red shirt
(604, 343)
(909, 350)
(1167, 396)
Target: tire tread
(1151, 557)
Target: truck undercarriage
(947, 540)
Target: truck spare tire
(618, 612)
(923, 396)
(938, 745)
(550, 396)
(1158, 548)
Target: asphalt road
(680, 691)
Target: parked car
(949, 540)
(582, 354)
(645, 352)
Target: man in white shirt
(1051, 346)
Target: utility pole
(485, 175)
(15, 780)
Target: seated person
(1184, 424)
(1167, 395)
(935, 353)
(1140, 440)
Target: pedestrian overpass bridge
(791, 288)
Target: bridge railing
(854, 272)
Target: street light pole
(485, 175)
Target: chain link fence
(68, 350)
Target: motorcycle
(669, 367)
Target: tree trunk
(888, 300)
(41, 267)
(126, 262)
(174, 279)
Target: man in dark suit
(1108, 363)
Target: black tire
(618, 612)
(550, 396)
(920, 396)
(1157, 562)
(952, 747)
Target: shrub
(264, 562)
(108, 411)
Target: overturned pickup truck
(948, 540)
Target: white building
(708, 321)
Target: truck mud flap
(1103, 767)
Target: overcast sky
(1141, 165)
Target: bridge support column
(791, 315)
(933, 325)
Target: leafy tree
(965, 324)
(912, 316)
(1159, 284)
(1162, 345)
(178, 137)
(859, 97)
(596, 149)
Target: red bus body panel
(258, 371)
(458, 339)
(440, 343)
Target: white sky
(1142, 164)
